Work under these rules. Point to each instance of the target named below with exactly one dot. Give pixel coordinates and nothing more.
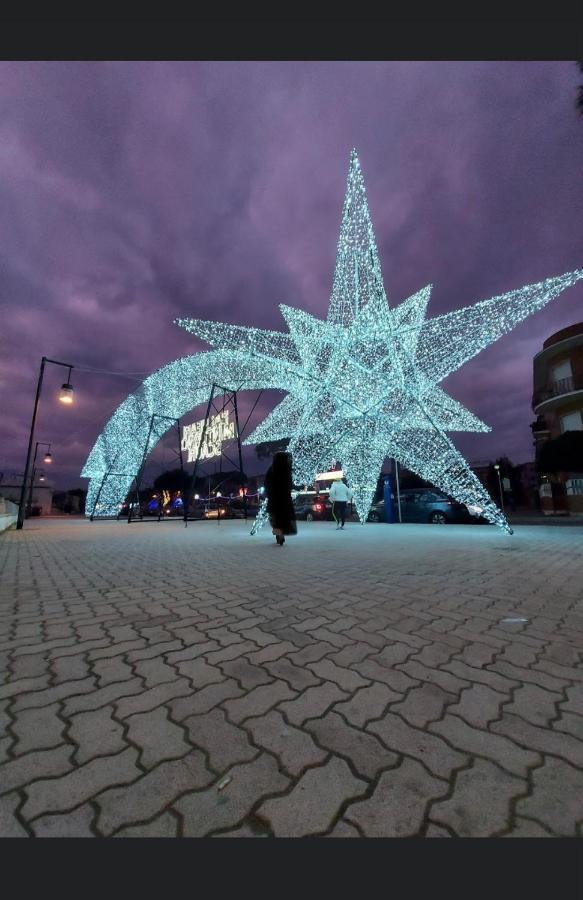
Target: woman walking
(280, 507)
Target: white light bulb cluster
(361, 386)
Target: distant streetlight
(66, 391)
(48, 459)
(497, 467)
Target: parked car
(222, 507)
(196, 509)
(313, 507)
(427, 505)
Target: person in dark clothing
(280, 507)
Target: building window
(574, 486)
(563, 370)
(572, 422)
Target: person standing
(340, 495)
(280, 507)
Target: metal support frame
(138, 476)
(497, 467)
(398, 490)
(240, 453)
(216, 390)
(231, 395)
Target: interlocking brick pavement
(293, 747)
(224, 743)
(74, 824)
(479, 804)
(398, 803)
(222, 807)
(95, 733)
(314, 802)
(157, 681)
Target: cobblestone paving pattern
(385, 681)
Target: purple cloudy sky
(132, 193)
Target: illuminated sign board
(218, 429)
(335, 475)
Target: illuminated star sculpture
(364, 384)
(361, 386)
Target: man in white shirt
(340, 495)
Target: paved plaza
(380, 681)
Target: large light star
(364, 384)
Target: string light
(361, 386)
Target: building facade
(42, 493)
(557, 402)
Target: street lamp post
(66, 397)
(48, 459)
(497, 467)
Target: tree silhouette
(507, 470)
(172, 480)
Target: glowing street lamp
(48, 456)
(66, 392)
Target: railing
(557, 389)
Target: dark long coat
(280, 507)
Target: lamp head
(66, 394)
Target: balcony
(552, 395)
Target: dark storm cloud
(132, 193)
